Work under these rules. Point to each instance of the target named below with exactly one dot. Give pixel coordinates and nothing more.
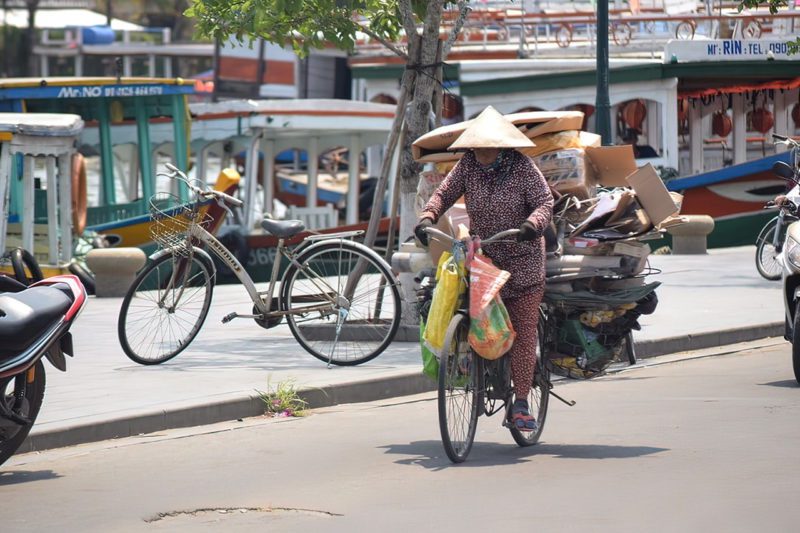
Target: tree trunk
(419, 115)
(418, 120)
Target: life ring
(685, 30)
(21, 258)
(78, 194)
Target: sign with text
(728, 50)
(93, 91)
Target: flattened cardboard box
(652, 194)
(432, 147)
(612, 164)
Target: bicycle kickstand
(571, 403)
(341, 317)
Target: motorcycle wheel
(25, 403)
(796, 343)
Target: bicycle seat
(283, 228)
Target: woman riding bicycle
(503, 189)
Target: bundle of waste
(606, 209)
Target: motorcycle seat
(283, 229)
(25, 315)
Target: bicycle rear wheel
(165, 307)
(330, 324)
(459, 399)
(538, 397)
(768, 261)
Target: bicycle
(339, 297)
(769, 243)
(470, 386)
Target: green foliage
(283, 401)
(774, 6)
(305, 24)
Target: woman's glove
(528, 232)
(419, 230)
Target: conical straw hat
(491, 130)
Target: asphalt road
(701, 444)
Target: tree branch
(464, 10)
(384, 42)
(407, 16)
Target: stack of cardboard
(596, 287)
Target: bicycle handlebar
(435, 233)
(176, 173)
(788, 141)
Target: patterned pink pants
(524, 313)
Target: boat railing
(567, 33)
(98, 215)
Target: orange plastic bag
(491, 335)
(485, 282)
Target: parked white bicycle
(339, 297)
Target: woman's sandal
(522, 419)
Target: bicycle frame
(262, 304)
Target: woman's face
(486, 156)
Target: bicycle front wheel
(768, 262)
(165, 307)
(459, 400)
(342, 302)
(538, 397)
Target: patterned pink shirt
(497, 200)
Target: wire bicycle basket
(172, 221)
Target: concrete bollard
(410, 258)
(114, 269)
(691, 236)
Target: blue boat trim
(728, 173)
(93, 91)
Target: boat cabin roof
(84, 96)
(311, 107)
(294, 122)
(41, 124)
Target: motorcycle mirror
(783, 170)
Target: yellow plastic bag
(450, 286)
(491, 335)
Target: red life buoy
(78, 194)
(796, 115)
(721, 124)
(634, 114)
(762, 120)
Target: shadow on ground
(430, 454)
(15, 477)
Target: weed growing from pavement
(283, 400)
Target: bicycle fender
(366, 249)
(307, 249)
(202, 254)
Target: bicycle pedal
(229, 317)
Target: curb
(355, 392)
(223, 411)
(712, 339)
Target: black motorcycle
(34, 324)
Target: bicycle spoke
(360, 336)
(165, 310)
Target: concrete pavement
(704, 301)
